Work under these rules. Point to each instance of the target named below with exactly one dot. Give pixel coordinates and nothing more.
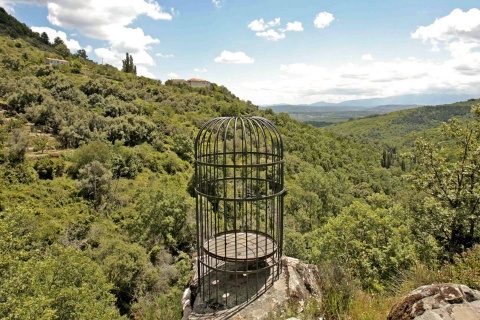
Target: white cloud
(108, 56)
(143, 71)
(458, 32)
(217, 3)
(161, 55)
(323, 19)
(458, 24)
(308, 83)
(88, 49)
(266, 29)
(234, 57)
(271, 35)
(294, 26)
(71, 44)
(367, 56)
(7, 5)
(172, 75)
(260, 25)
(200, 70)
(108, 21)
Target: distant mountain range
(387, 104)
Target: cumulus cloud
(161, 55)
(367, 56)
(458, 34)
(238, 57)
(266, 29)
(172, 75)
(294, 26)
(261, 25)
(271, 35)
(71, 44)
(323, 19)
(310, 83)
(108, 56)
(200, 70)
(108, 21)
(143, 71)
(458, 24)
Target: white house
(56, 62)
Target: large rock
(438, 302)
(297, 283)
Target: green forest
(97, 214)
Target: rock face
(438, 302)
(297, 282)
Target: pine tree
(45, 38)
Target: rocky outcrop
(297, 283)
(438, 302)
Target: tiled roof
(196, 80)
(53, 59)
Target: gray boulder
(438, 302)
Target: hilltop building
(198, 83)
(56, 62)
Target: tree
(62, 49)
(371, 238)
(450, 176)
(41, 281)
(18, 144)
(45, 38)
(76, 66)
(94, 181)
(93, 151)
(163, 215)
(183, 146)
(82, 54)
(40, 143)
(128, 65)
(58, 41)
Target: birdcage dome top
(241, 136)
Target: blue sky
(278, 51)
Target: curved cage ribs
(239, 186)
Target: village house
(198, 83)
(56, 62)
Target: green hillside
(404, 127)
(97, 218)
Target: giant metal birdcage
(239, 185)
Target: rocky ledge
(297, 283)
(438, 302)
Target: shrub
(48, 168)
(76, 67)
(338, 290)
(183, 146)
(464, 269)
